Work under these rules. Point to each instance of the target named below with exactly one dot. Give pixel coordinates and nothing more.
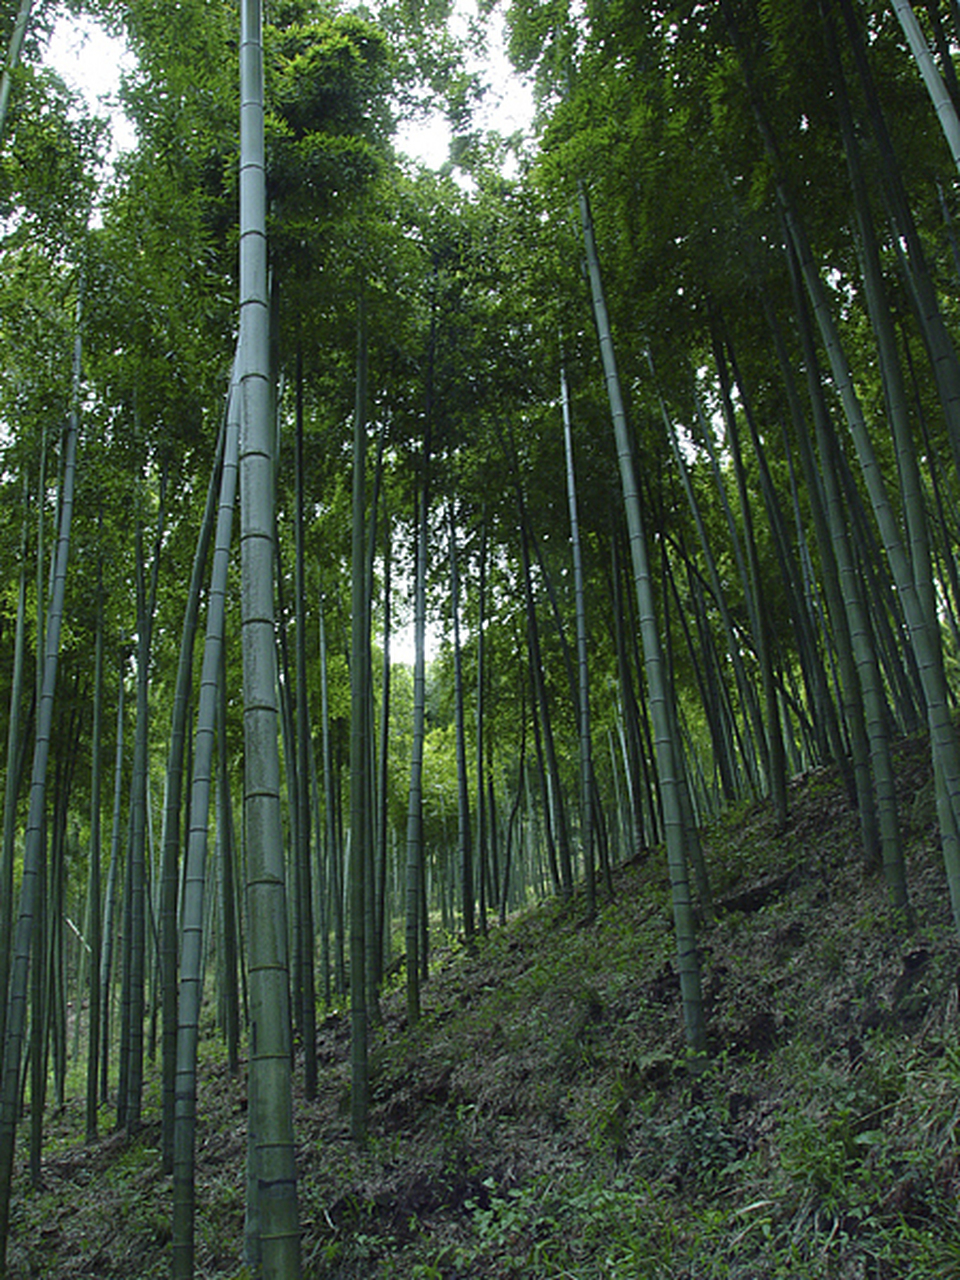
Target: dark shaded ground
(541, 1118)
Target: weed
(830, 956)
(820, 1153)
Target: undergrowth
(540, 1119)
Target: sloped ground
(541, 1119)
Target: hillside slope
(541, 1119)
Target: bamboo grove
(646, 430)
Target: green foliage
(47, 164)
(326, 85)
(473, 295)
(326, 76)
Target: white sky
(508, 106)
(92, 62)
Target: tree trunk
(192, 907)
(921, 289)
(110, 895)
(586, 768)
(925, 642)
(485, 880)
(943, 50)
(135, 940)
(468, 903)
(666, 748)
(942, 102)
(383, 922)
(94, 927)
(635, 764)
(173, 807)
(11, 789)
(272, 1233)
(330, 809)
(306, 932)
(561, 860)
(744, 685)
(360, 826)
(12, 58)
(33, 837)
(414, 866)
(228, 882)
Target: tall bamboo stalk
(192, 908)
(173, 807)
(942, 102)
(272, 1229)
(667, 749)
(360, 825)
(583, 671)
(463, 801)
(33, 837)
(12, 58)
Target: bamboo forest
(394, 550)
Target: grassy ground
(540, 1120)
